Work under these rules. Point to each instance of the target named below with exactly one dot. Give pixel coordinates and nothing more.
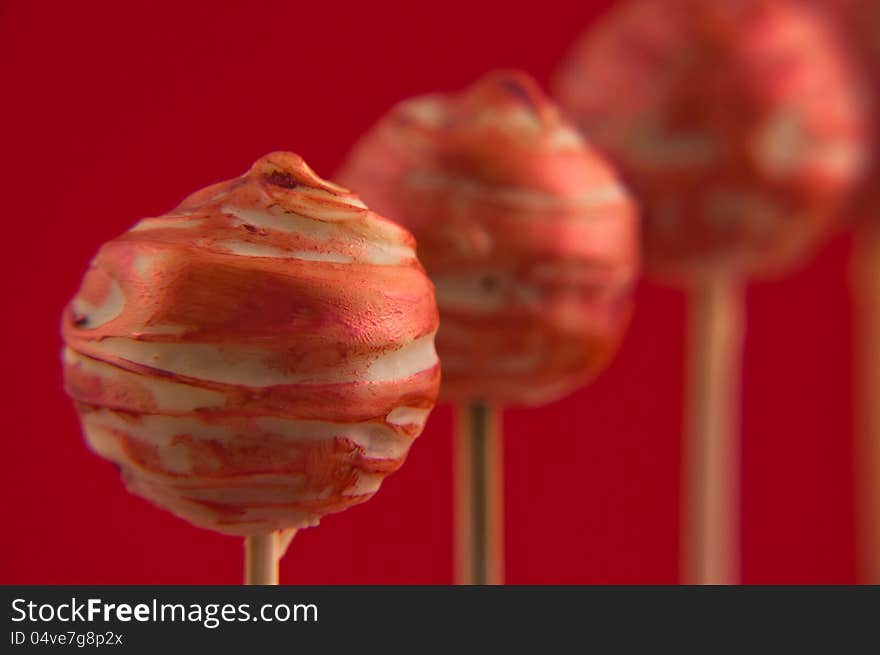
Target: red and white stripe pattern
(258, 357)
(739, 123)
(527, 233)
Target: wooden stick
(479, 496)
(710, 540)
(866, 302)
(261, 559)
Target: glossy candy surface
(258, 357)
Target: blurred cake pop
(859, 23)
(259, 357)
(527, 233)
(532, 243)
(740, 126)
(738, 123)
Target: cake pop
(738, 126)
(259, 357)
(531, 241)
(859, 23)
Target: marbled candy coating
(258, 357)
(527, 233)
(737, 122)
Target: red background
(114, 114)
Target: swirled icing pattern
(527, 234)
(737, 122)
(258, 357)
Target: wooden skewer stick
(479, 491)
(261, 559)
(866, 301)
(711, 451)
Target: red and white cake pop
(527, 233)
(738, 123)
(740, 126)
(532, 243)
(259, 357)
(859, 23)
